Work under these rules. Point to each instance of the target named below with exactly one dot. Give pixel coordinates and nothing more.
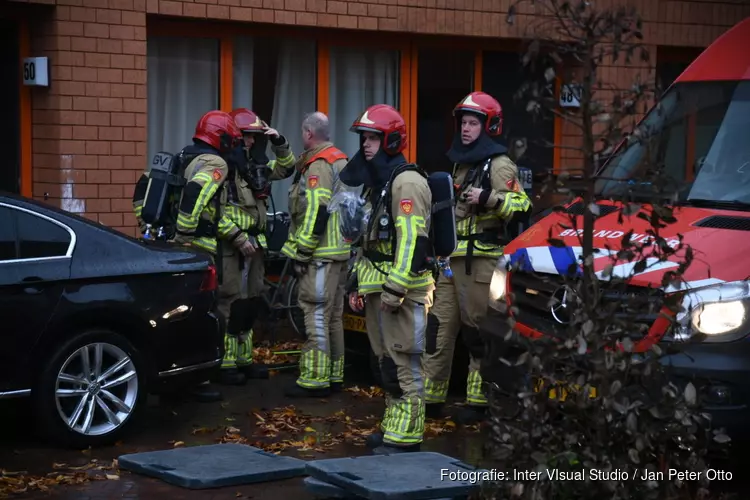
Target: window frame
(408, 45)
(71, 233)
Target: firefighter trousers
(398, 341)
(321, 296)
(241, 280)
(460, 306)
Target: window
(444, 77)
(502, 77)
(359, 78)
(7, 234)
(183, 84)
(278, 82)
(714, 147)
(40, 238)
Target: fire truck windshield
(699, 136)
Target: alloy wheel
(96, 389)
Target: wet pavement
(256, 414)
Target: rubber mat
(405, 476)
(213, 466)
(321, 489)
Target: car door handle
(32, 290)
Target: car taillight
(210, 280)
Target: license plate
(561, 389)
(354, 323)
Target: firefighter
(249, 186)
(488, 195)
(394, 284)
(320, 258)
(202, 219)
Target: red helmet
(485, 105)
(217, 129)
(385, 120)
(247, 121)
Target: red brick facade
(89, 127)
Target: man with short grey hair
(320, 257)
(315, 129)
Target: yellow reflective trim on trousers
(138, 209)
(337, 370)
(245, 350)
(435, 392)
(403, 423)
(231, 348)
(474, 393)
(314, 369)
(188, 223)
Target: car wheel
(90, 390)
(294, 313)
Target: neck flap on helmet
(373, 174)
(482, 148)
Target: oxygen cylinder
(443, 228)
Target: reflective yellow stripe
(189, 222)
(337, 370)
(435, 392)
(283, 162)
(230, 352)
(314, 369)
(315, 197)
(474, 393)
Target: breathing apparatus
(255, 170)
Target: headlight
(497, 285)
(719, 317)
(720, 312)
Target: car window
(7, 234)
(40, 238)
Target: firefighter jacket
(202, 217)
(396, 267)
(502, 197)
(248, 212)
(313, 232)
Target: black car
(93, 320)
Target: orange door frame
(24, 106)
(25, 119)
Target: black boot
(204, 393)
(387, 449)
(374, 440)
(254, 370)
(295, 391)
(337, 386)
(433, 410)
(470, 415)
(231, 376)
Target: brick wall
(89, 127)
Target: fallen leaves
(303, 434)
(64, 474)
(370, 392)
(271, 354)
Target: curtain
(359, 78)
(294, 96)
(183, 84)
(242, 72)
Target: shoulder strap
(330, 154)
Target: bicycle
(280, 294)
